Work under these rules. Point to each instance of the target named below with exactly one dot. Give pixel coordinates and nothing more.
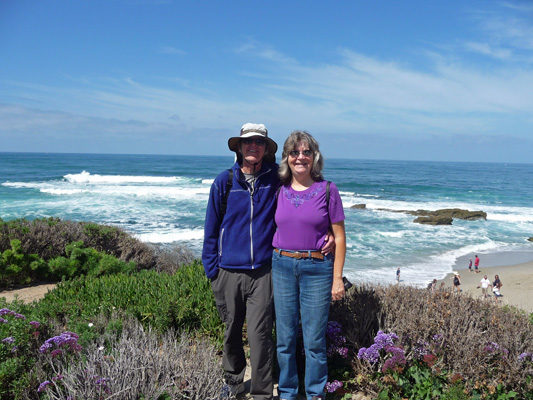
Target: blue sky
(412, 80)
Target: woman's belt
(300, 254)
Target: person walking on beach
(305, 281)
(484, 284)
(456, 282)
(476, 264)
(470, 266)
(496, 285)
(398, 275)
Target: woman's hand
(337, 289)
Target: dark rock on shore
(451, 213)
(531, 239)
(444, 216)
(434, 220)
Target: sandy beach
(517, 280)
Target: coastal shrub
(480, 343)
(139, 364)
(80, 260)
(171, 257)
(182, 301)
(18, 267)
(48, 238)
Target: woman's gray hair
(292, 142)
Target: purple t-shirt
(302, 217)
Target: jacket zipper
(251, 191)
(251, 227)
(220, 244)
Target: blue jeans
(301, 287)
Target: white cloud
(486, 49)
(171, 50)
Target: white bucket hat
(255, 130)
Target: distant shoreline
(515, 270)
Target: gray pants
(240, 295)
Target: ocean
(162, 199)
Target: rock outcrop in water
(444, 216)
(434, 220)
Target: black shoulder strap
(328, 184)
(327, 193)
(229, 185)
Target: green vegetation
(113, 330)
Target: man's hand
(329, 244)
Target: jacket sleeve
(212, 231)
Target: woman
(497, 284)
(304, 280)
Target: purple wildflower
(336, 340)
(371, 354)
(56, 353)
(438, 337)
(102, 382)
(394, 363)
(384, 339)
(68, 340)
(19, 316)
(43, 386)
(3, 321)
(57, 378)
(421, 349)
(395, 350)
(35, 324)
(6, 311)
(9, 340)
(331, 387)
(525, 356)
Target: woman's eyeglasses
(259, 142)
(296, 153)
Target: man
(237, 256)
(485, 283)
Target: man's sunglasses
(296, 153)
(259, 142)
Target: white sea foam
(88, 178)
(393, 234)
(62, 191)
(21, 185)
(173, 236)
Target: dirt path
(28, 294)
